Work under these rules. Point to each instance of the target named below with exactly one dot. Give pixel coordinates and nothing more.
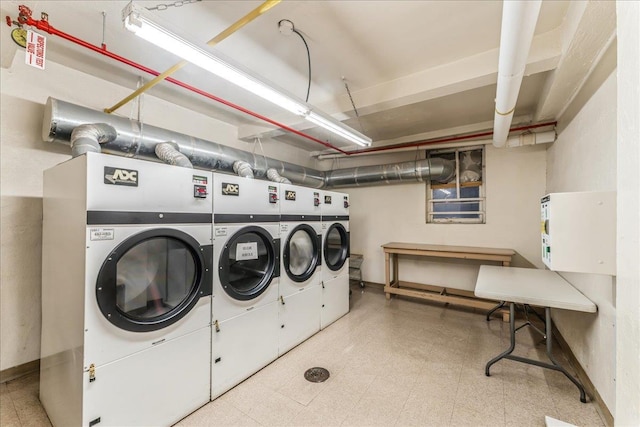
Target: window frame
(481, 199)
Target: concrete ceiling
(413, 67)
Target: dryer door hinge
(282, 299)
(217, 325)
(92, 373)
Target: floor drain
(316, 375)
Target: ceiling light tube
(338, 128)
(144, 28)
(136, 20)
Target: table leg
(558, 367)
(396, 278)
(387, 273)
(549, 342)
(505, 316)
(512, 336)
(494, 309)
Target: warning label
(35, 50)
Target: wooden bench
(394, 286)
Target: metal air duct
(168, 153)
(417, 171)
(88, 137)
(140, 140)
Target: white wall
(25, 156)
(515, 181)
(584, 159)
(628, 278)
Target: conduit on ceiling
(519, 18)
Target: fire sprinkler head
(285, 27)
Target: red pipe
(45, 26)
(25, 18)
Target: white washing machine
(245, 285)
(126, 292)
(301, 256)
(335, 257)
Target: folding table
(530, 286)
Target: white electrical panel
(579, 232)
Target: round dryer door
(248, 263)
(153, 279)
(301, 253)
(336, 247)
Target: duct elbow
(168, 153)
(274, 176)
(88, 137)
(243, 169)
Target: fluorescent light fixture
(136, 21)
(338, 128)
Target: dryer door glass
(154, 277)
(248, 263)
(301, 253)
(336, 246)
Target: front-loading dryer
(301, 256)
(245, 285)
(335, 260)
(126, 292)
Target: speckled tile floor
(392, 363)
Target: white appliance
(126, 285)
(335, 257)
(579, 232)
(301, 259)
(245, 285)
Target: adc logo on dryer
(229, 189)
(119, 176)
(290, 195)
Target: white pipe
(519, 18)
(513, 141)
